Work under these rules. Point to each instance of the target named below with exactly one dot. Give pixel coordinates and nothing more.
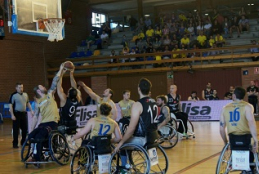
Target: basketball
(69, 65)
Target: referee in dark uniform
(17, 107)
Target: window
(98, 19)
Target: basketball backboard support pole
(25, 15)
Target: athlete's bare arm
(114, 110)
(117, 134)
(252, 125)
(136, 110)
(222, 127)
(60, 91)
(89, 91)
(203, 95)
(85, 130)
(55, 80)
(166, 113)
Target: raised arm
(56, 79)
(62, 96)
(252, 125)
(89, 91)
(72, 79)
(114, 110)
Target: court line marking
(197, 163)
(6, 153)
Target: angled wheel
(131, 159)
(81, 161)
(59, 148)
(73, 146)
(173, 123)
(190, 130)
(27, 150)
(224, 162)
(163, 163)
(168, 137)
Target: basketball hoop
(54, 26)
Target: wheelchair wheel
(136, 160)
(190, 130)
(73, 146)
(81, 161)
(163, 163)
(173, 123)
(168, 137)
(224, 162)
(59, 148)
(26, 150)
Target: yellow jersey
(235, 118)
(150, 33)
(126, 107)
(48, 109)
(201, 39)
(185, 41)
(103, 126)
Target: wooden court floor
(192, 156)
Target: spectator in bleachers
(148, 22)
(105, 38)
(158, 32)
(213, 52)
(189, 16)
(150, 32)
(183, 55)
(202, 40)
(175, 40)
(228, 95)
(173, 29)
(242, 12)
(254, 50)
(132, 52)
(207, 29)
(243, 24)
(174, 18)
(139, 37)
(226, 27)
(166, 40)
(125, 51)
(181, 30)
(165, 30)
(200, 26)
(150, 48)
(175, 55)
(216, 28)
(140, 25)
(197, 53)
(219, 40)
(234, 25)
(157, 43)
(211, 41)
(190, 31)
(106, 27)
(124, 41)
(214, 96)
(193, 96)
(90, 40)
(182, 17)
(112, 55)
(185, 41)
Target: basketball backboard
(26, 13)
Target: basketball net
(54, 26)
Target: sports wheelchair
(237, 143)
(85, 158)
(55, 147)
(190, 128)
(150, 159)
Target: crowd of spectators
(175, 32)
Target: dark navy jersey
(148, 118)
(208, 94)
(173, 103)
(68, 111)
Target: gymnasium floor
(192, 156)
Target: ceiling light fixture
(206, 14)
(248, 4)
(147, 15)
(194, 10)
(252, 4)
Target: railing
(100, 66)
